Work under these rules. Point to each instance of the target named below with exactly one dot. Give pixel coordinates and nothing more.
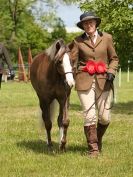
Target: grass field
(23, 151)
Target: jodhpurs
(91, 97)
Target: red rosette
(90, 67)
(100, 67)
(85, 69)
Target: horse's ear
(53, 49)
(58, 46)
(61, 49)
(70, 46)
(59, 43)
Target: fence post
(128, 72)
(120, 77)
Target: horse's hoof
(62, 148)
(50, 147)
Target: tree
(26, 23)
(16, 9)
(59, 30)
(117, 19)
(19, 27)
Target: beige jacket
(81, 50)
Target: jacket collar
(87, 40)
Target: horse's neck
(52, 75)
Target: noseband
(68, 72)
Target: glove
(12, 74)
(110, 77)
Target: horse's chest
(53, 90)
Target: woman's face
(89, 26)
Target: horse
(52, 79)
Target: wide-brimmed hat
(88, 16)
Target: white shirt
(95, 36)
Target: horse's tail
(53, 112)
(53, 109)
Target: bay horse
(52, 78)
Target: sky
(70, 15)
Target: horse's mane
(51, 50)
(54, 48)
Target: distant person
(4, 58)
(95, 63)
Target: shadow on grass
(118, 108)
(82, 148)
(123, 108)
(39, 146)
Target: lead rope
(110, 88)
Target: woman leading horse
(96, 62)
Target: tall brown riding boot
(91, 136)
(101, 129)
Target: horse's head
(57, 54)
(56, 50)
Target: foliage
(19, 28)
(23, 148)
(117, 19)
(5, 30)
(29, 34)
(28, 23)
(59, 30)
(35, 24)
(54, 24)
(71, 36)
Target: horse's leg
(47, 121)
(0, 80)
(63, 123)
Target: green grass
(23, 150)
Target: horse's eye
(59, 62)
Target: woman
(95, 63)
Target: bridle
(68, 72)
(58, 60)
